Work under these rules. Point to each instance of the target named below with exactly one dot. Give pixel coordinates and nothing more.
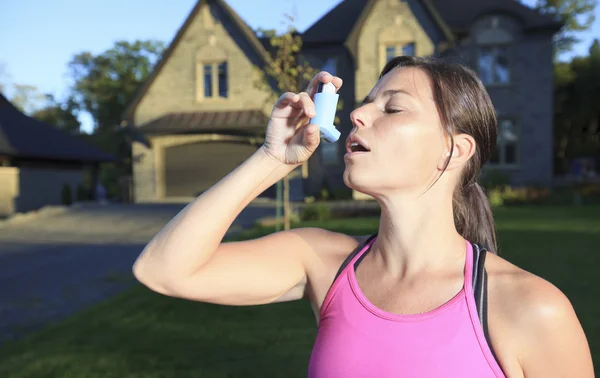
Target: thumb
(312, 136)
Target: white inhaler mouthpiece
(326, 106)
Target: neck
(417, 234)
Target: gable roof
(459, 14)
(236, 20)
(452, 16)
(26, 137)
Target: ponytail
(473, 216)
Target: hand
(289, 137)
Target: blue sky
(39, 37)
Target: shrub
(342, 194)
(66, 195)
(315, 212)
(493, 179)
(82, 193)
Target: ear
(463, 149)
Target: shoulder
(330, 248)
(527, 297)
(539, 318)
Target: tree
(62, 116)
(27, 98)
(104, 84)
(576, 113)
(577, 15)
(4, 77)
(287, 71)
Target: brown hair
(464, 107)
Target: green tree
(27, 98)
(285, 71)
(576, 112)
(104, 84)
(4, 77)
(62, 116)
(577, 15)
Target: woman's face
(400, 125)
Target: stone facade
(527, 100)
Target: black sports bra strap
(480, 291)
(354, 253)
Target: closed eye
(392, 111)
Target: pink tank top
(356, 339)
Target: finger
(338, 82)
(311, 137)
(286, 99)
(321, 77)
(307, 104)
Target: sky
(39, 37)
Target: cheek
(413, 149)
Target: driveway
(64, 260)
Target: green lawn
(142, 334)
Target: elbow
(150, 277)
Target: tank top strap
(356, 254)
(469, 264)
(348, 263)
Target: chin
(359, 182)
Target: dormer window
(394, 50)
(493, 65)
(214, 77)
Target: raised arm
(188, 259)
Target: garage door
(190, 169)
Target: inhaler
(325, 106)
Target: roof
(26, 137)
(336, 25)
(237, 21)
(254, 122)
(457, 15)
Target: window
(408, 49)
(214, 80)
(223, 80)
(208, 91)
(506, 151)
(493, 65)
(392, 51)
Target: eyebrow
(388, 93)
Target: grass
(142, 334)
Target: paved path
(54, 265)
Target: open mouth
(357, 147)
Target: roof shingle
(252, 121)
(26, 137)
(336, 25)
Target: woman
(404, 304)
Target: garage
(192, 168)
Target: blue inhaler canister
(325, 106)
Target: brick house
(203, 115)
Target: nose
(359, 116)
